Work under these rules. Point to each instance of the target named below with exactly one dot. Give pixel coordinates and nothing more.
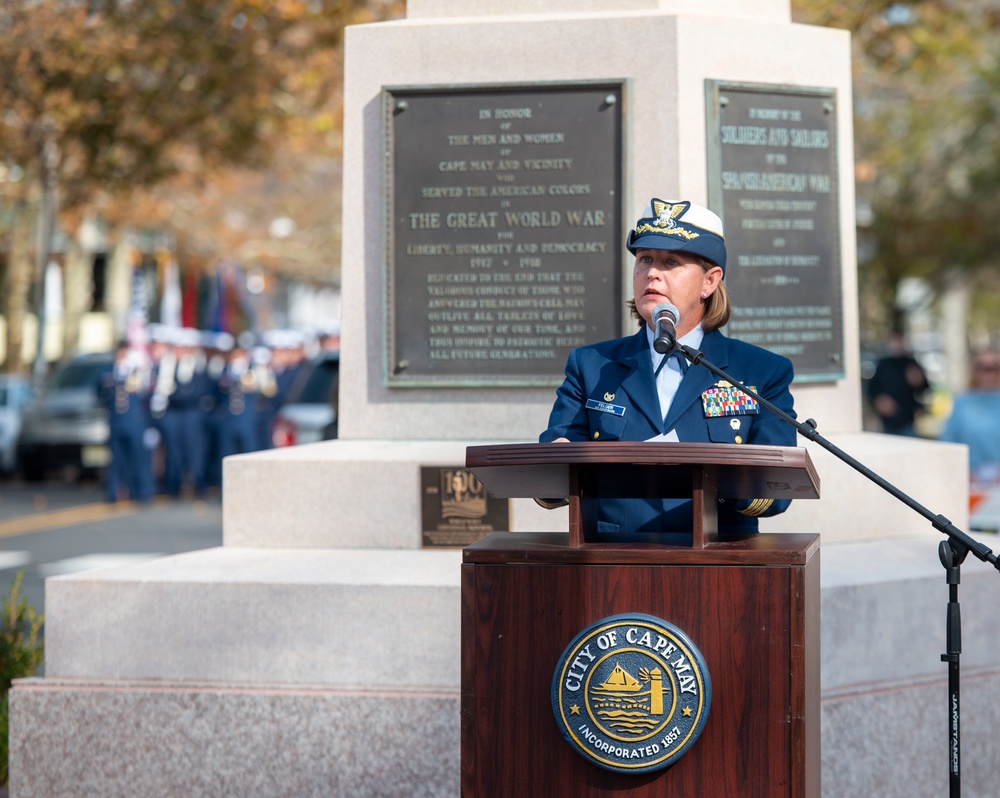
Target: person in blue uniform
(265, 400)
(216, 348)
(289, 350)
(623, 390)
(161, 354)
(236, 392)
(124, 390)
(188, 386)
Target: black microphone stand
(951, 552)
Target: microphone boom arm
(808, 430)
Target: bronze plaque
(773, 179)
(456, 509)
(504, 231)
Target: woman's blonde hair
(717, 306)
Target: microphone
(665, 318)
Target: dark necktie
(682, 362)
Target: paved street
(52, 528)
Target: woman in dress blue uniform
(623, 390)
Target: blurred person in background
(897, 388)
(238, 405)
(216, 347)
(184, 391)
(975, 419)
(124, 390)
(291, 346)
(329, 338)
(286, 348)
(265, 399)
(161, 355)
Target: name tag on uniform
(727, 400)
(605, 407)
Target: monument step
(294, 719)
(347, 618)
(160, 740)
(346, 494)
(367, 494)
(363, 618)
(853, 509)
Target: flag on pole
(170, 298)
(138, 312)
(189, 298)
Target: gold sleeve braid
(757, 507)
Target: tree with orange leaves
(110, 97)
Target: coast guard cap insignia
(666, 212)
(631, 693)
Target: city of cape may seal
(631, 693)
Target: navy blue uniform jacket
(619, 373)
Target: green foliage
(927, 139)
(21, 653)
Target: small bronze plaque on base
(456, 509)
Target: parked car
(309, 413)
(66, 425)
(15, 394)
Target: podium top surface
(633, 469)
(775, 549)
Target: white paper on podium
(670, 437)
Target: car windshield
(319, 388)
(78, 375)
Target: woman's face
(986, 372)
(661, 275)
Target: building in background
(94, 285)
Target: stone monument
(317, 651)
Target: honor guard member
(162, 356)
(288, 347)
(124, 391)
(265, 400)
(624, 390)
(288, 359)
(188, 387)
(329, 337)
(237, 391)
(216, 347)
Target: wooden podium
(751, 606)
